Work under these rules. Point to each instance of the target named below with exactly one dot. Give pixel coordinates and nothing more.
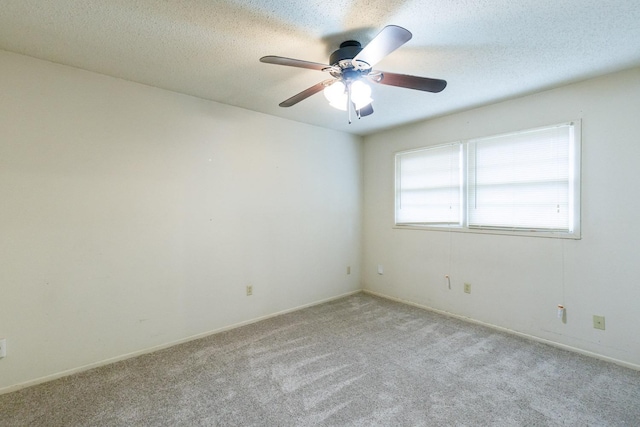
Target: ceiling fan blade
(389, 39)
(280, 60)
(303, 95)
(366, 110)
(412, 82)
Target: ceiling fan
(351, 66)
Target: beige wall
(133, 217)
(517, 282)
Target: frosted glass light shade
(360, 94)
(337, 96)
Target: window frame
(575, 151)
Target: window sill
(576, 235)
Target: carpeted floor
(357, 361)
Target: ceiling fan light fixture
(360, 94)
(337, 95)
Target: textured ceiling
(487, 50)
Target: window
(430, 183)
(520, 183)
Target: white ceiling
(487, 50)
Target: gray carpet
(357, 361)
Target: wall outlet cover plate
(598, 322)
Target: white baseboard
(104, 362)
(510, 331)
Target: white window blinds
(428, 186)
(522, 180)
(525, 183)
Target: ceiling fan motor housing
(348, 50)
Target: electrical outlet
(380, 269)
(3, 348)
(598, 322)
(467, 288)
(348, 269)
(249, 290)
